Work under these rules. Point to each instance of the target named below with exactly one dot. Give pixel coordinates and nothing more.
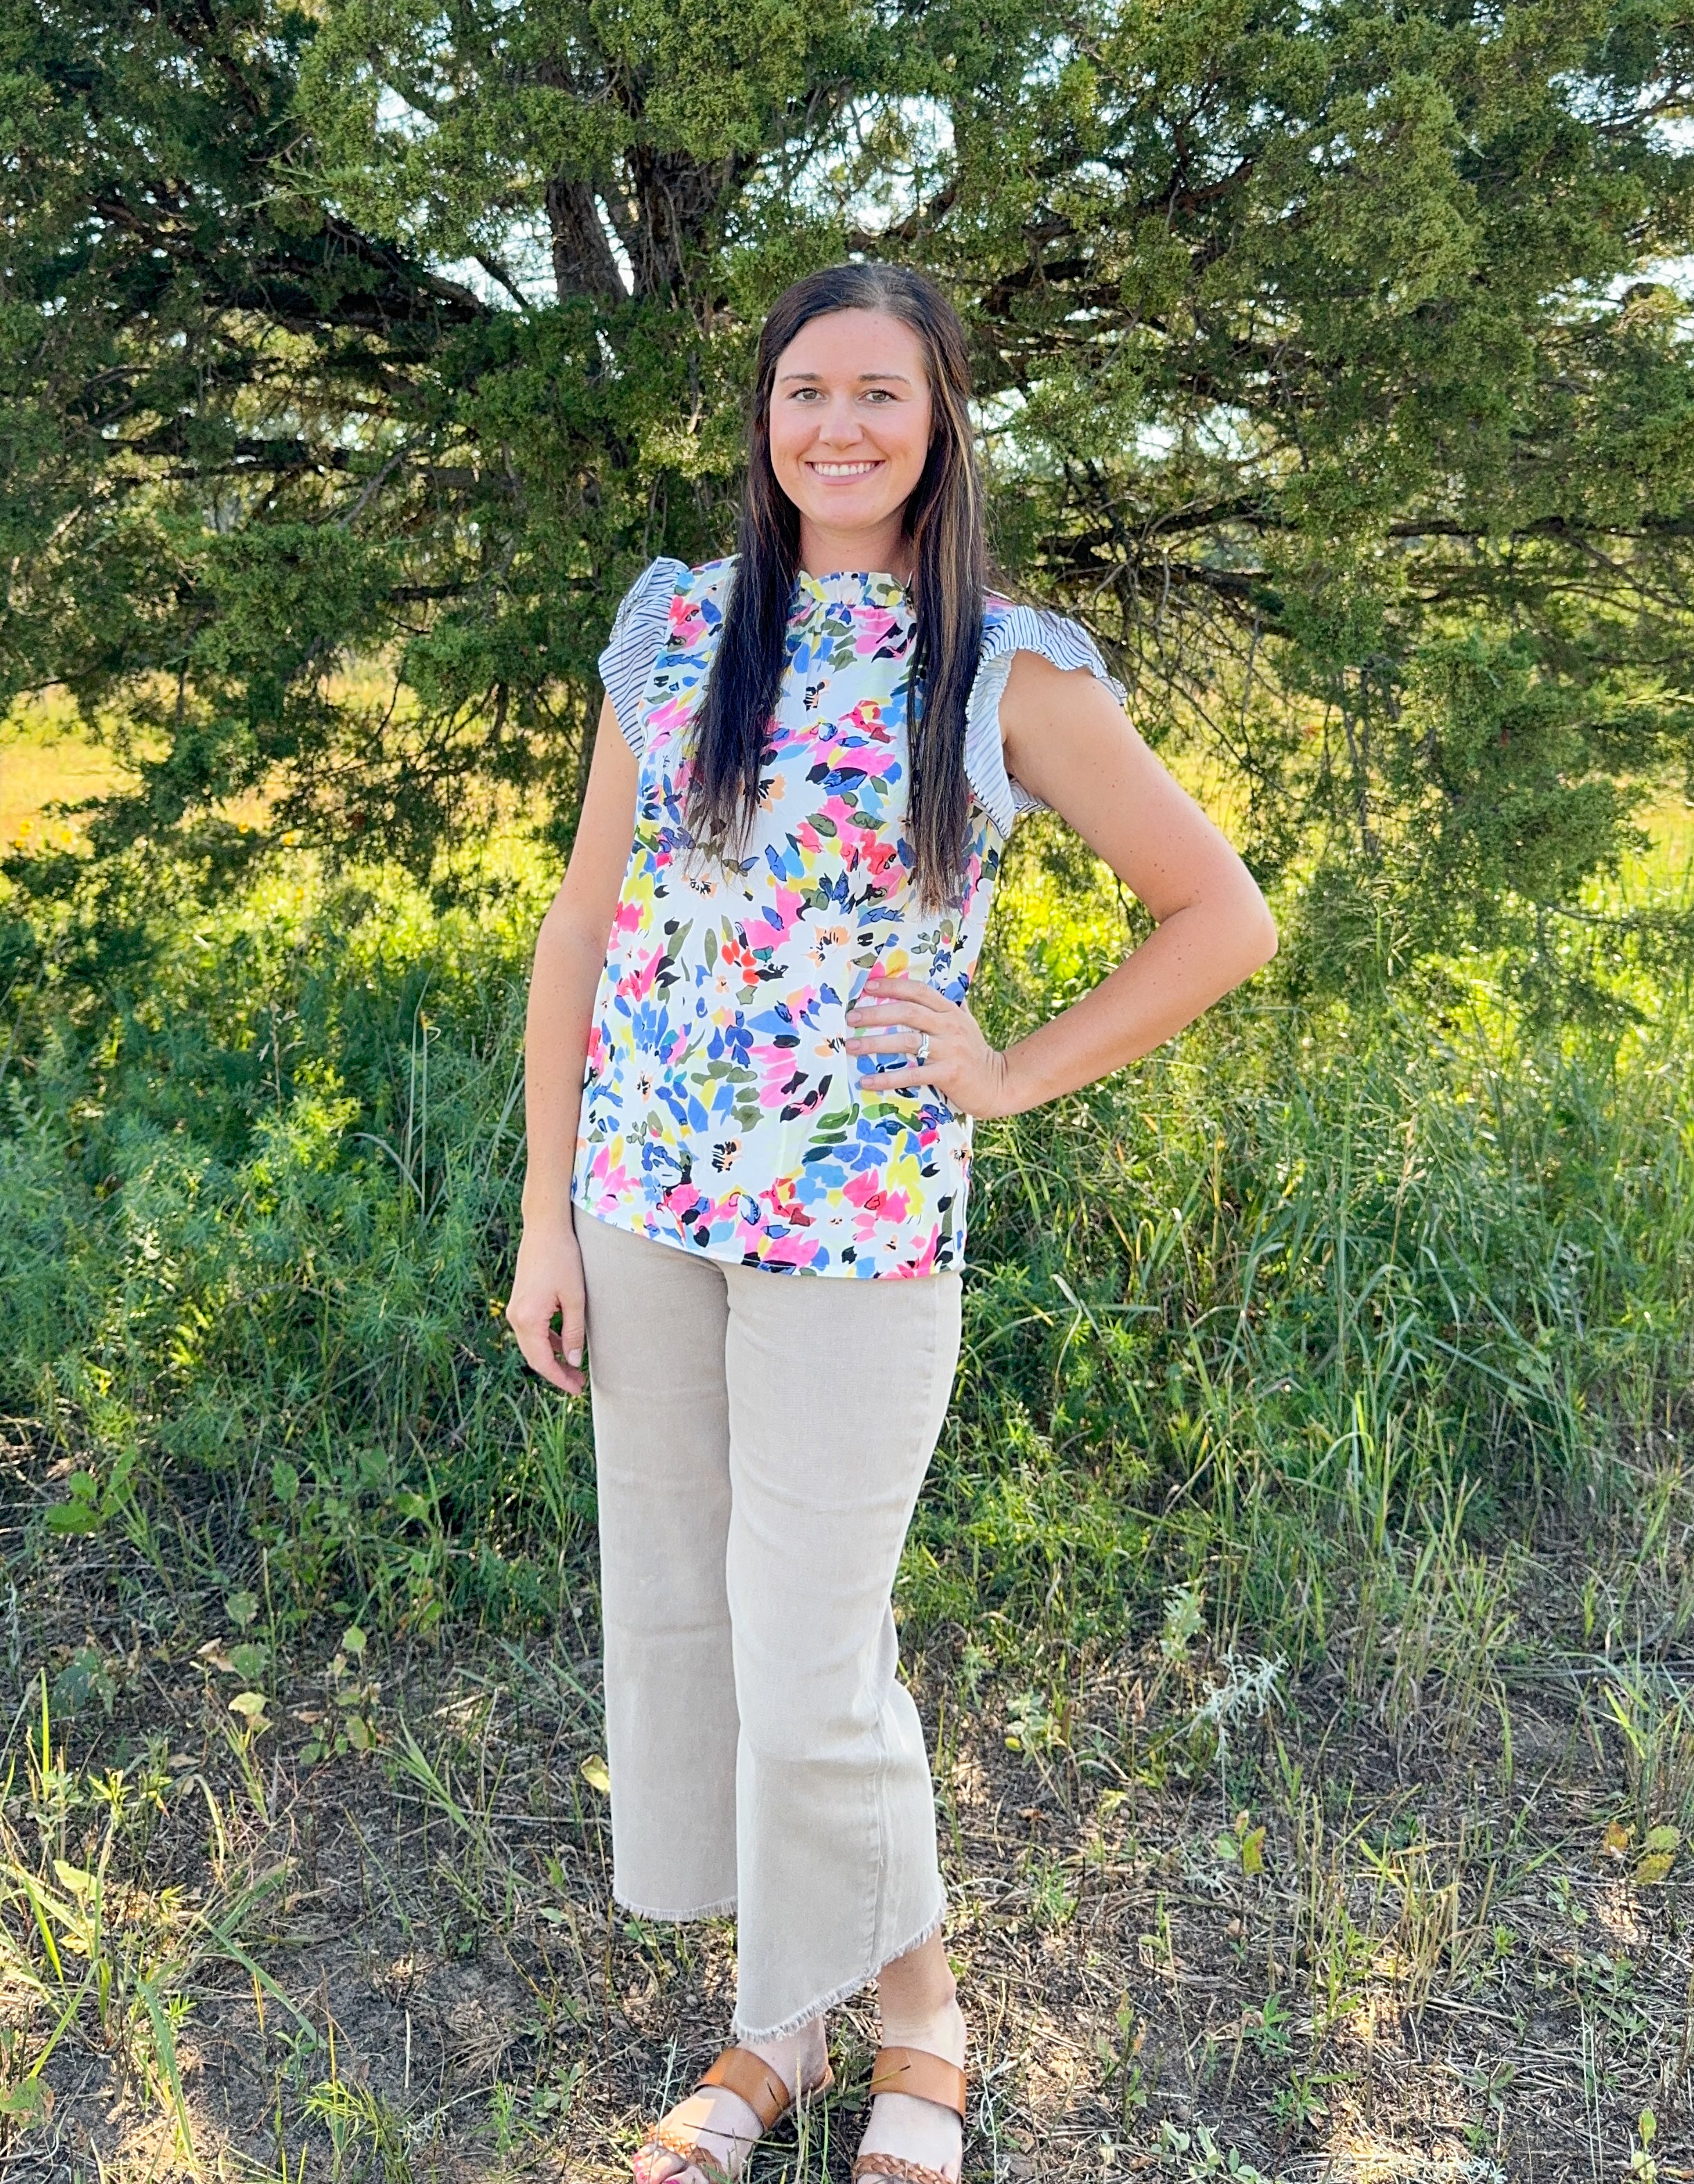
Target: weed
(1184, 1619)
(1268, 2029)
(1120, 2061)
(1300, 2103)
(366, 2137)
(84, 1942)
(1195, 2156)
(1051, 1898)
(1654, 1718)
(1034, 1725)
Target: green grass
(1324, 1408)
(1306, 1298)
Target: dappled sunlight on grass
(45, 761)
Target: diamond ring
(923, 1049)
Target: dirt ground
(366, 1923)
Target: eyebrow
(864, 376)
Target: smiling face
(849, 425)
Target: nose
(840, 427)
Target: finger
(900, 1017)
(540, 1348)
(541, 1359)
(893, 1040)
(573, 1327)
(903, 990)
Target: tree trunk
(583, 260)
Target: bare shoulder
(1035, 680)
(1051, 711)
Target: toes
(660, 2165)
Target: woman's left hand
(894, 1016)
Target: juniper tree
(1332, 357)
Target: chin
(843, 513)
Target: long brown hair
(943, 518)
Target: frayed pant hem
(719, 1910)
(845, 1993)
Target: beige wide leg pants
(759, 1440)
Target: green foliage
(256, 1209)
(1264, 1338)
(1332, 364)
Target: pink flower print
(877, 858)
(771, 932)
(636, 982)
(685, 1202)
(868, 1194)
(866, 720)
(630, 917)
(609, 1186)
(789, 1252)
(783, 1206)
(669, 717)
(780, 1073)
(872, 627)
(862, 847)
(876, 1202)
(687, 626)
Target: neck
(824, 549)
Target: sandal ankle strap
(924, 2075)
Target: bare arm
(1068, 742)
(569, 954)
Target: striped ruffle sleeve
(1009, 630)
(637, 632)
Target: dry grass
(44, 763)
(1349, 1944)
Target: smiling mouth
(846, 471)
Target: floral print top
(720, 1112)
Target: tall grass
(1320, 1314)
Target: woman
(750, 1127)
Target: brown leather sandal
(740, 2071)
(926, 2077)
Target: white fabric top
(721, 1111)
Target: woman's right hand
(547, 1284)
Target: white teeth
(843, 470)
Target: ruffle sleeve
(1008, 631)
(637, 632)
